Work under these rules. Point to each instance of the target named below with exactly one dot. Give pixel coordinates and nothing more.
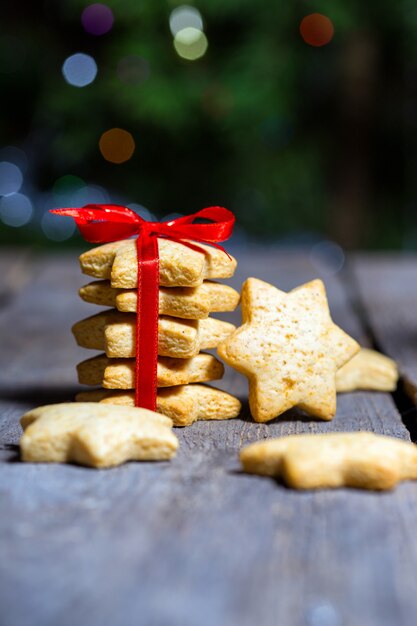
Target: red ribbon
(102, 223)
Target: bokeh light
(327, 257)
(79, 69)
(190, 43)
(142, 211)
(67, 185)
(90, 194)
(133, 69)
(97, 19)
(57, 227)
(16, 209)
(185, 17)
(10, 178)
(117, 145)
(316, 29)
(70, 190)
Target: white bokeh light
(79, 69)
(57, 227)
(328, 257)
(16, 209)
(10, 178)
(185, 17)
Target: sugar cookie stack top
(187, 297)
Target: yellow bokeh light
(117, 145)
(190, 43)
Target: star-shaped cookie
(95, 434)
(289, 348)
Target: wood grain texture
(387, 291)
(194, 541)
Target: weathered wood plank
(38, 351)
(194, 541)
(387, 286)
(16, 270)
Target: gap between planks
(384, 294)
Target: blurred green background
(298, 116)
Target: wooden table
(195, 542)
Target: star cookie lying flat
(184, 404)
(96, 435)
(368, 370)
(362, 459)
(120, 373)
(115, 333)
(188, 303)
(289, 348)
(179, 265)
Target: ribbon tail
(147, 317)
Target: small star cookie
(289, 348)
(368, 370)
(97, 435)
(362, 460)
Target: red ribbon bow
(102, 223)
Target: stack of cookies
(187, 296)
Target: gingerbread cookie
(362, 459)
(184, 404)
(179, 265)
(289, 348)
(189, 303)
(115, 333)
(120, 373)
(97, 435)
(368, 370)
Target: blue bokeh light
(79, 69)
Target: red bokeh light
(316, 29)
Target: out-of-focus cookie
(368, 370)
(97, 435)
(361, 459)
(179, 265)
(184, 404)
(115, 333)
(185, 302)
(120, 373)
(289, 348)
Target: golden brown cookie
(362, 459)
(179, 265)
(115, 333)
(368, 370)
(98, 435)
(184, 404)
(120, 373)
(289, 348)
(189, 303)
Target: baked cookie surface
(289, 348)
(184, 404)
(120, 373)
(115, 333)
(96, 435)
(184, 302)
(358, 459)
(179, 265)
(369, 370)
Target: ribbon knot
(103, 223)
